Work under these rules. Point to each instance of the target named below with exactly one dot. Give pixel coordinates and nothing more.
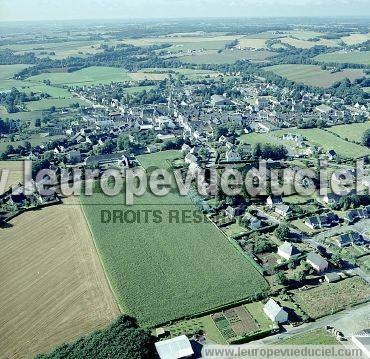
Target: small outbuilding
(174, 348)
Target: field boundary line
(101, 260)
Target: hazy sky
(113, 9)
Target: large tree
(122, 339)
(366, 138)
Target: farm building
(287, 251)
(353, 215)
(190, 158)
(233, 212)
(331, 198)
(275, 312)
(118, 158)
(174, 348)
(332, 277)
(317, 262)
(324, 109)
(262, 102)
(218, 100)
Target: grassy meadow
(91, 75)
(225, 57)
(313, 75)
(351, 132)
(353, 57)
(322, 138)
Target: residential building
(283, 210)
(275, 312)
(317, 262)
(287, 250)
(347, 239)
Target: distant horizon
(109, 10)
(191, 18)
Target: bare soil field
(15, 173)
(52, 285)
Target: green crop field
(92, 75)
(352, 132)
(7, 71)
(313, 75)
(319, 137)
(302, 34)
(189, 46)
(305, 44)
(61, 49)
(35, 140)
(353, 39)
(226, 56)
(195, 42)
(165, 271)
(328, 141)
(354, 57)
(255, 43)
(253, 138)
(57, 102)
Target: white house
(283, 210)
(273, 201)
(287, 251)
(275, 312)
(331, 155)
(317, 262)
(174, 348)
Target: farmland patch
(165, 271)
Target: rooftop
(174, 348)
